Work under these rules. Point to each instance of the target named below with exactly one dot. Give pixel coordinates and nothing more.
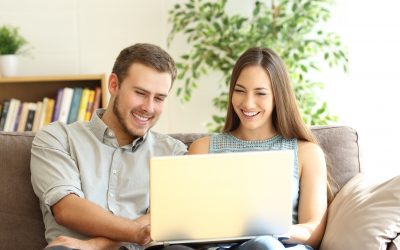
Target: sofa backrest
(340, 144)
(21, 225)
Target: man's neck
(112, 123)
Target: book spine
(83, 105)
(6, 106)
(12, 113)
(23, 117)
(97, 100)
(30, 118)
(88, 113)
(65, 105)
(76, 100)
(17, 117)
(49, 111)
(56, 112)
(35, 126)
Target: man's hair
(147, 54)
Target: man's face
(139, 99)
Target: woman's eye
(238, 90)
(261, 93)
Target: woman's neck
(254, 135)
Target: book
(12, 113)
(36, 118)
(65, 104)
(23, 117)
(4, 114)
(76, 100)
(43, 113)
(49, 111)
(17, 117)
(83, 104)
(56, 112)
(30, 117)
(97, 99)
(88, 113)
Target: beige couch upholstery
(21, 225)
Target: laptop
(220, 197)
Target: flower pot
(8, 65)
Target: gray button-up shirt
(84, 158)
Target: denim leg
(178, 247)
(58, 248)
(298, 247)
(261, 243)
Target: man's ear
(113, 84)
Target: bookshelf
(35, 88)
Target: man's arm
(88, 218)
(56, 181)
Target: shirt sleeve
(54, 174)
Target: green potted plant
(11, 44)
(290, 27)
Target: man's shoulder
(160, 137)
(164, 141)
(55, 133)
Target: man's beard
(121, 121)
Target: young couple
(92, 178)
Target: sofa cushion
(21, 219)
(364, 215)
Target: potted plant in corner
(11, 43)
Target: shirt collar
(100, 130)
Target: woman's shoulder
(310, 152)
(308, 146)
(200, 146)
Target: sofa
(21, 225)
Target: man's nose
(148, 105)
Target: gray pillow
(364, 215)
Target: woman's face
(252, 99)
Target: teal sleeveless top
(224, 143)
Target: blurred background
(84, 37)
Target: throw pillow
(363, 215)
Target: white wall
(85, 36)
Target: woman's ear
(113, 84)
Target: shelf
(35, 88)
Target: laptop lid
(216, 197)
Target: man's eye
(160, 99)
(140, 93)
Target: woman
(263, 115)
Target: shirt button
(110, 134)
(111, 195)
(114, 171)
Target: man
(92, 178)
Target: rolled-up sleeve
(54, 174)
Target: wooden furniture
(35, 88)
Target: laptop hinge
(165, 243)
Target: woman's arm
(200, 146)
(313, 196)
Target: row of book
(70, 105)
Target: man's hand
(98, 243)
(142, 236)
